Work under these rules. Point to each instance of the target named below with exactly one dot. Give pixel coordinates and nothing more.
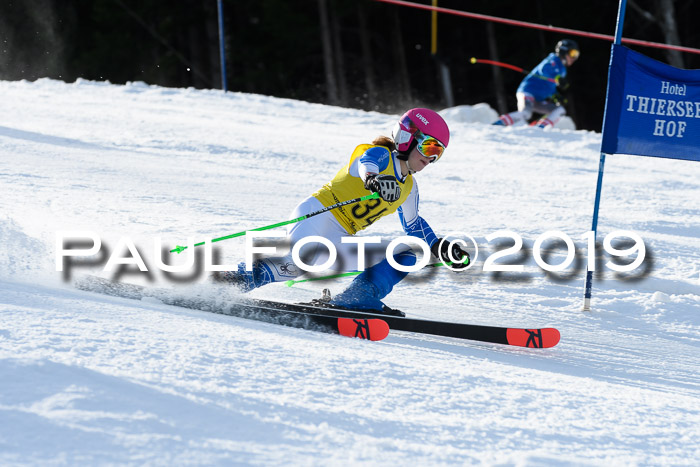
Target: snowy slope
(89, 379)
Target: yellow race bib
(344, 186)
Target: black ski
(370, 327)
(521, 337)
(265, 310)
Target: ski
(265, 310)
(537, 338)
(370, 327)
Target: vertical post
(601, 166)
(499, 88)
(620, 21)
(444, 71)
(433, 30)
(222, 55)
(594, 228)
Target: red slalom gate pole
(541, 27)
(475, 60)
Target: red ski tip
(534, 338)
(372, 329)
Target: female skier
(386, 167)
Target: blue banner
(653, 109)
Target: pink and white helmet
(425, 121)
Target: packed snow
(87, 379)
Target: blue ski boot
(366, 291)
(244, 280)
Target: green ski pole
(180, 249)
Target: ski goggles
(573, 53)
(428, 146)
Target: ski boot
(504, 120)
(366, 291)
(359, 296)
(243, 280)
(545, 123)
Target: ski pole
(346, 274)
(475, 60)
(179, 249)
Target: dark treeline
(354, 53)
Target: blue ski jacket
(535, 85)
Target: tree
(665, 19)
(328, 62)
